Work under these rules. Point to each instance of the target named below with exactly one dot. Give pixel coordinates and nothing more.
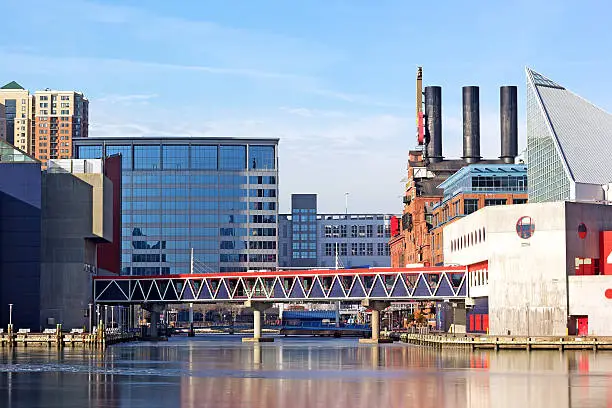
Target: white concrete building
(536, 269)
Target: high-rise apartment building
(16, 116)
(215, 196)
(42, 124)
(60, 116)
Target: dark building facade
(20, 238)
(303, 230)
(50, 225)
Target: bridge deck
(392, 284)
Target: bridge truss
(391, 284)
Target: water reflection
(295, 373)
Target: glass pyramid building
(569, 144)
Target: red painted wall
(109, 255)
(394, 226)
(605, 251)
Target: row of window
(169, 244)
(197, 205)
(198, 244)
(499, 183)
(194, 192)
(197, 231)
(468, 240)
(304, 218)
(304, 211)
(304, 245)
(191, 179)
(357, 249)
(251, 245)
(185, 258)
(184, 157)
(304, 255)
(166, 218)
(224, 258)
(304, 237)
(304, 228)
(357, 231)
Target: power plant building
(412, 238)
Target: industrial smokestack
(433, 114)
(471, 124)
(508, 116)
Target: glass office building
(217, 196)
(568, 144)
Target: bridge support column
(377, 306)
(258, 308)
(155, 309)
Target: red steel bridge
(385, 284)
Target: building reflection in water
(399, 376)
(299, 373)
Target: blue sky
(333, 79)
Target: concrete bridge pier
(154, 309)
(257, 307)
(377, 306)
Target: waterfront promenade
(471, 341)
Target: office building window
(343, 249)
(203, 157)
(470, 206)
(519, 201)
(369, 229)
(354, 230)
(354, 249)
(369, 249)
(261, 157)
(232, 157)
(175, 157)
(89, 152)
(362, 249)
(362, 231)
(380, 249)
(330, 249)
(380, 231)
(147, 157)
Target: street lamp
(90, 317)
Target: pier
(509, 342)
(57, 338)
